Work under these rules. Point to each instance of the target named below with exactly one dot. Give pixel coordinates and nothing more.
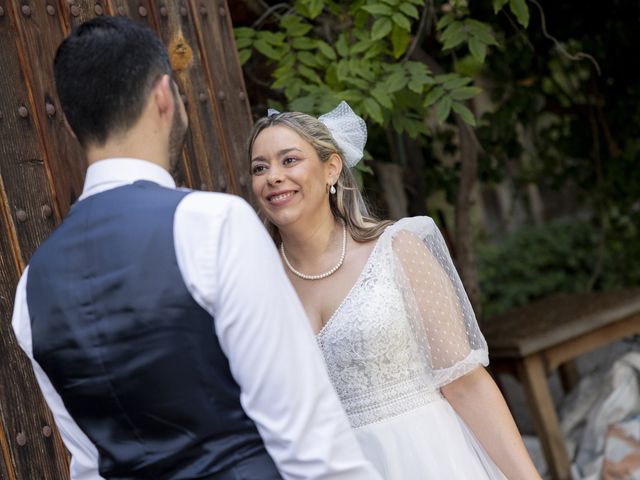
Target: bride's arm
(476, 398)
(453, 346)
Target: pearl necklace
(321, 275)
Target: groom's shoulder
(214, 204)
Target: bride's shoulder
(412, 227)
(409, 235)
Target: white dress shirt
(232, 269)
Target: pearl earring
(332, 190)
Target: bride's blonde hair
(347, 203)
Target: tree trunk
(464, 234)
(469, 149)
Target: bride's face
(288, 179)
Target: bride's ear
(333, 167)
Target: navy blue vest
(135, 359)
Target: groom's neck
(142, 141)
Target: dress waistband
(389, 401)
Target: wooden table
(533, 341)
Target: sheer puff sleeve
(438, 309)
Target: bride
(399, 337)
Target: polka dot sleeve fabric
(438, 308)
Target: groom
(159, 322)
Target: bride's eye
(258, 169)
(289, 160)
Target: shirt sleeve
(264, 332)
(84, 455)
(438, 309)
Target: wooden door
(42, 168)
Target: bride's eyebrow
(287, 150)
(284, 151)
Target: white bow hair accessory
(347, 129)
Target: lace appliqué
(380, 350)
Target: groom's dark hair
(104, 72)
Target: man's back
(136, 360)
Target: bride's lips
(281, 197)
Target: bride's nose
(274, 177)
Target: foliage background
(547, 88)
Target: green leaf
(243, 42)
(382, 97)
(299, 30)
(418, 69)
(360, 47)
(433, 96)
(309, 74)
(477, 49)
(285, 79)
(396, 81)
(309, 59)
(266, 49)
(364, 168)
(375, 52)
(244, 55)
(378, 9)
(302, 104)
(452, 29)
(303, 43)
(521, 11)
(415, 85)
(443, 109)
(453, 36)
(381, 28)
(342, 46)
(482, 31)
(342, 70)
(326, 49)
(465, 93)
(315, 8)
(445, 20)
(400, 39)
(402, 21)
(363, 69)
(444, 78)
(464, 113)
(244, 32)
(293, 88)
(409, 10)
(374, 110)
(358, 83)
(498, 4)
(274, 38)
(360, 19)
(331, 76)
(456, 82)
(294, 25)
(284, 68)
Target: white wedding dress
(405, 329)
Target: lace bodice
(405, 329)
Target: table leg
(569, 375)
(534, 380)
